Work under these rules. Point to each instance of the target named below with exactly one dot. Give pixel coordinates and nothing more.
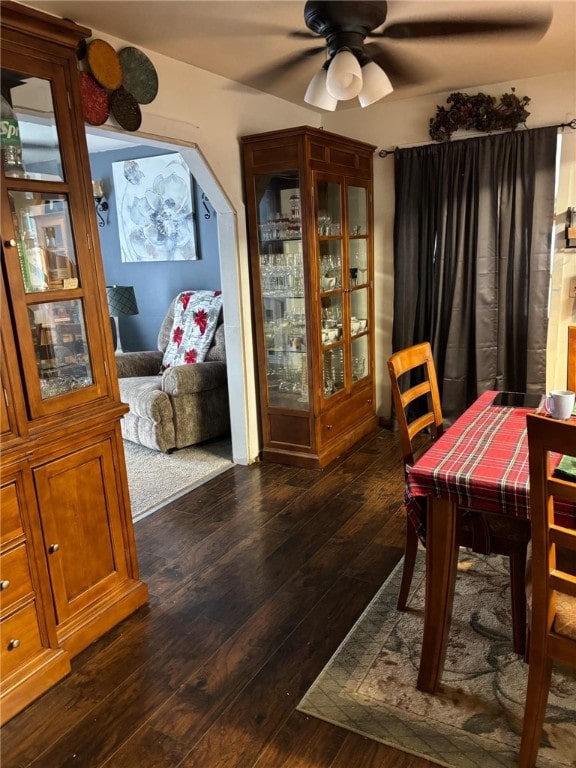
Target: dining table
(480, 462)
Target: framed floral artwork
(155, 206)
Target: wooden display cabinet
(68, 562)
(310, 221)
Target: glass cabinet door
(39, 248)
(33, 148)
(332, 285)
(282, 290)
(359, 290)
(344, 289)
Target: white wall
(562, 305)
(196, 106)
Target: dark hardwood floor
(255, 579)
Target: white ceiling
(239, 39)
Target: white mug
(560, 404)
(328, 283)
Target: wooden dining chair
(416, 434)
(552, 589)
(482, 532)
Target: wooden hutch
(68, 561)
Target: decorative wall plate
(95, 104)
(140, 77)
(104, 64)
(125, 109)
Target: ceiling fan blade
(288, 65)
(401, 68)
(411, 30)
(303, 34)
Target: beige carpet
(156, 478)
(369, 686)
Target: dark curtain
(472, 238)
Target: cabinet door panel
(78, 496)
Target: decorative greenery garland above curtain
(480, 113)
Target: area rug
(369, 686)
(156, 478)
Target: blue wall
(155, 283)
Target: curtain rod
(386, 152)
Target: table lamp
(121, 301)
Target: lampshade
(317, 95)
(121, 300)
(375, 84)
(344, 78)
(97, 188)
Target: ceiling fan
(367, 70)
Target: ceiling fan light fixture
(375, 84)
(317, 95)
(344, 78)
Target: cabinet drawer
(19, 639)
(11, 520)
(15, 582)
(340, 418)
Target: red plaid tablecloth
(480, 462)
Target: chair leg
(410, 550)
(518, 596)
(539, 674)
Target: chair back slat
(562, 582)
(562, 537)
(420, 424)
(562, 489)
(409, 395)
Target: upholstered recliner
(184, 404)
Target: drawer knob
(328, 426)
(53, 548)
(10, 243)
(4, 584)
(13, 644)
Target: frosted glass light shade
(317, 95)
(344, 78)
(375, 84)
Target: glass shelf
(59, 333)
(44, 241)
